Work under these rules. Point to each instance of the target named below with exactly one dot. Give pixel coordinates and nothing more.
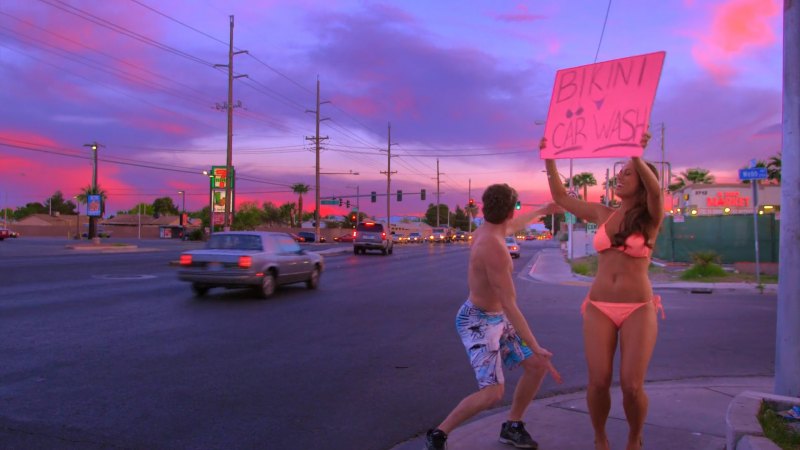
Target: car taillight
(186, 260)
(355, 233)
(383, 235)
(245, 262)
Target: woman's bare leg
(637, 340)
(600, 344)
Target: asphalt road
(112, 351)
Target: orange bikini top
(634, 244)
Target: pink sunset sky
(468, 83)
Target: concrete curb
(742, 428)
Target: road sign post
(753, 174)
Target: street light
(183, 205)
(210, 202)
(78, 219)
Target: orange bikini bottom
(618, 312)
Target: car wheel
(383, 250)
(355, 250)
(391, 249)
(268, 284)
(199, 290)
(313, 280)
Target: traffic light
(471, 202)
(353, 217)
(518, 205)
(373, 196)
(340, 202)
(348, 203)
(399, 195)
(422, 194)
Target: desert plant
(706, 265)
(705, 258)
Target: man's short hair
(498, 202)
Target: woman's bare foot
(635, 444)
(601, 443)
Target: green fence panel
(731, 237)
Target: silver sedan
(259, 260)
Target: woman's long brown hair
(637, 219)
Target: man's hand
(552, 208)
(544, 354)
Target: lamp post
(77, 219)
(183, 205)
(210, 202)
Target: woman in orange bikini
(620, 306)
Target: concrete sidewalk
(683, 415)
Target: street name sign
(755, 173)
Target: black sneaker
(435, 440)
(514, 433)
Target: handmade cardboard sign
(601, 110)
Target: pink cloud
(520, 14)
(738, 28)
(362, 105)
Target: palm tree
(774, 168)
(584, 180)
(300, 189)
(695, 175)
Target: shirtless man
(492, 327)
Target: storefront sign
(728, 199)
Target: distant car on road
(250, 259)
(415, 238)
(513, 246)
(439, 235)
(461, 236)
(308, 236)
(347, 237)
(4, 233)
(372, 236)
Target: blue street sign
(756, 173)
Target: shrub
(775, 428)
(195, 235)
(705, 258)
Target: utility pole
(787, 348)
(93, 219)
(469, 206)
(437, 191)
(607, 180)
(230, 191)
(316, 140)
(389, 180)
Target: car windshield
(234, 242)
(510, 240)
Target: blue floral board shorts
(490, 340)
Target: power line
(605, 21)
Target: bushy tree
(164, 206)
(57, 204)
(431, 214)
(248, 217)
